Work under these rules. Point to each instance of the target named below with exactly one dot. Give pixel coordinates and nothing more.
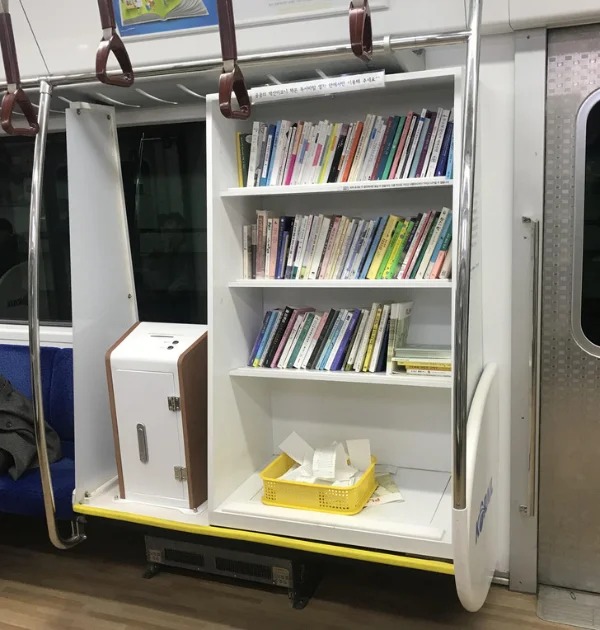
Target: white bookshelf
(251, 410)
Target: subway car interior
(299, 314)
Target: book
(383, 322)
(265, 338)
(247, 251)
(259, 337)
(371, 339)
(382, 246)
(243, 148)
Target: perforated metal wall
(569, 511)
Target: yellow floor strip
(378, 557)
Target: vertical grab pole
(37, 180)
(460, 401)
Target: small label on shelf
(319, 87)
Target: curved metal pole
(37, 180)
(460, 397)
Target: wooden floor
(99, 586)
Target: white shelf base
(379, 378)
(341, 284)
(106, 499)
(420, 525)
(307, 189)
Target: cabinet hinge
(174, 403)
(180, 473)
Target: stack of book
(354, 339)
(321, 247)
(283, 153)
(422, 360)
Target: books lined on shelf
(322, 247)
(352, 339)
(282, 153)
(422, 360)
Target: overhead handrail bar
(335, 51)
(231, 80)
(111, 42)
(361, 32)
(14, 94)
(37, 180)
(460, 394)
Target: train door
(569, 507)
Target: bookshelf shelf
(311, 189)
(442, 382)
(341, 284)
(422, 523)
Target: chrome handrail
(37, 182)
(382, 46)
(460, 394)
(534, 405)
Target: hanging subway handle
(14, 94)
(111, 42)
(361, 33)
(231, 80)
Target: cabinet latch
(180, 473)
(174, 403)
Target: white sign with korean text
(318, 87)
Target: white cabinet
(157, 386)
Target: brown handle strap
(14, 94)
(232, 80)
(233, 83)
(227, 30)
(361, 34)
(111, 42)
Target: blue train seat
(24, 496)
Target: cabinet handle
(361, 32)
(111, 42)
(142, 443)
(534, 407)
(14, 94)
(231, 80)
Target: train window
(164, 180)
(585, 308)
(590, 284)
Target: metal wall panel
(569, 510)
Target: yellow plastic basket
(317, 497)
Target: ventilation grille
(248, 569)
(184, 557)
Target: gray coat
(17, 433)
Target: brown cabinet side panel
(113, 410)
(193, 384)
